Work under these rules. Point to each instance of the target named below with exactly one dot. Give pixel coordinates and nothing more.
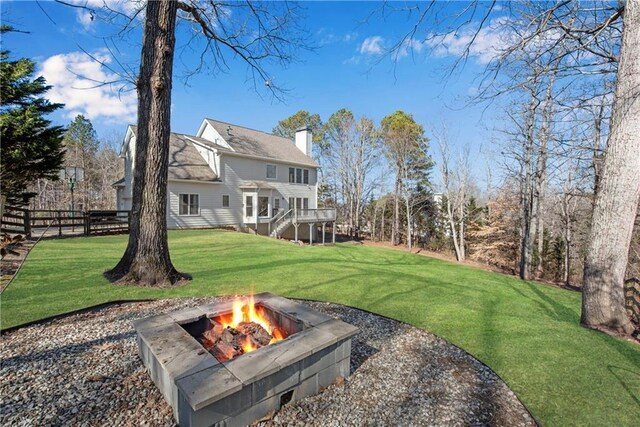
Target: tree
(350, 155)
(455, 183)
(82, 146)
(31, 147)
(591, 39)
(618, 194)
(257, 34)
(406, 148)
(287, 127)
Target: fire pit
(232, 363)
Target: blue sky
(347, 70)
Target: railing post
(59, 223)
(27, 223)
(87, 223)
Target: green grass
(527, 333)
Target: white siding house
(228, 175)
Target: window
(263, 206)
(276, 206)
(305, 203)
(292, 203)
(292, 175)
(189, 204)
(306, 176)
(299, 176)
(271, 171)
(225, 200)
(248, 206)
(298, 203)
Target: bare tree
(257, 34)
(351, 154)
(455, 184)
(618, 194)
(589, 39)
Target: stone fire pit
(203, 391)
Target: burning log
(246, 329)
(255, 331)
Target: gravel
(84, 369)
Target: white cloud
(350, 37)
(410, 46)
(84, 15)
(372, 46)
(76, 79)
(85, 18)
(487, 45)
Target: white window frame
(228, 201)
(275, 170)
(189, 213)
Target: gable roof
(185, 162)
(256, 143)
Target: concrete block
(257, 411)
(285, 379)
(344, 349)
(216, 413)
(151, 322)
(318, 361)
(209, 386)
(186, 315)
(339, 329)
(308, 387)
(328, 376)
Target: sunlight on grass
(527, 333)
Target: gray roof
(256, 185)
(256, 143)
(184, 160)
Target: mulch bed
(84, 369)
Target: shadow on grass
(623, 379)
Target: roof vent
(229, 131)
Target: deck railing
(315, 215)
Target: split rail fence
(52, 223)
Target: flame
(277, 335)
(248, 345)
(245, 310)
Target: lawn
(527, 333)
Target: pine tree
(31, 147)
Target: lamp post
(73, 174)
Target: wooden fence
(17, 220)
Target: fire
(246, 311)
(248, 345)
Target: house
(232, 176)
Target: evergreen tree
(31, 147)
(287, 127)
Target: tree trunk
(146, 259)
(383, 220)
(395, 231)
(526, 240)
(408, 209)
(454, 232)
(617, 198)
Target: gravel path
(84, 370)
